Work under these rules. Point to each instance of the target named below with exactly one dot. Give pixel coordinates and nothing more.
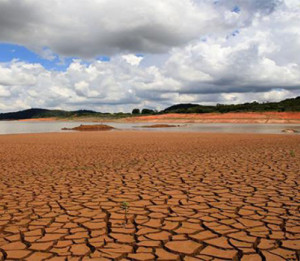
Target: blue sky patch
(9, 52)
(236, 9)
(235, 33)
(103, 58)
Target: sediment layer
(236, 117)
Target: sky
(112, 55)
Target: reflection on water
(14, 127)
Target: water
(15, 127)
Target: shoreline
(218, 128)
(245, 122)
(195, 123)
(143, 131)
(205, 118)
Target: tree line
(288, 105)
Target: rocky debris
(289, 131)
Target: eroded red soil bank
(250, 117)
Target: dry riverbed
(190, 196)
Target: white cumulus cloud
(199, 51)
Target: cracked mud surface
(191, 196)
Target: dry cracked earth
(190, 196)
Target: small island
(289, 131)
(97, 127)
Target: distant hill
(189, 108)
(287, 105)
(44, 113)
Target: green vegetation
(43, 113)
(288, 105)
(136, 111)
(148, 111)
(292, 153)
(125, 206)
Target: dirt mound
(159, 126)
(97, 127)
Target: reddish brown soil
(39, 119)
(191, 196)
(250, 117)
(159, 126)
(97, 127)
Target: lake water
(15, 127)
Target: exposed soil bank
(190, 196)
(39, 119)
(250, 117)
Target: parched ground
(191, 196)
